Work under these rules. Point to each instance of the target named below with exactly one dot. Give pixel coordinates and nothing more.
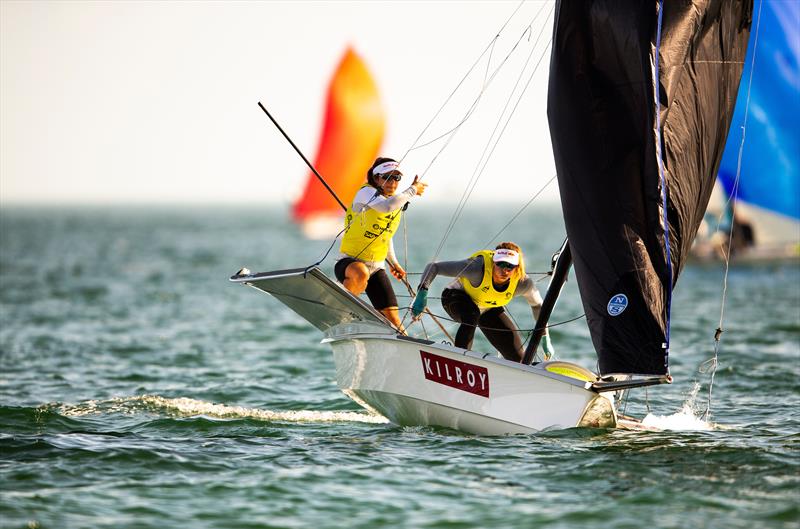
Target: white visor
(385, 167)
(507, 256)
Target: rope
(712, 363)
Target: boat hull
(418, 383)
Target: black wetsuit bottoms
(379, 289)
(495, 323)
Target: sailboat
(640, 98)
(757, 203)
(352, 134)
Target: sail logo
(617, 304)
(456, 374)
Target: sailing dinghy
(639, 104)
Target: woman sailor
(367, 246)
(484, 283)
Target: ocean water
(140, 389)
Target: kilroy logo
(617, 304)
(456, 374)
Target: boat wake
(688, 418)
(193, 407)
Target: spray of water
(192, 407)
(688, 418)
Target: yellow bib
(367, 234)
(484, 295)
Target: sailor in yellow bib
(370, 223)
(368, 234)
(485, 282)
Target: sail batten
(620, 103)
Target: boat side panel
(387, 374)
(410, 411)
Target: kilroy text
(456, 374)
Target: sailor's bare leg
(356, 276)
(392, 314)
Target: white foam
(193, 407)
(686, 419)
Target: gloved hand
(547, 347)
(420, 302)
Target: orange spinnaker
(352, 133)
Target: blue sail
(770, 173)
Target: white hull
(416, 383)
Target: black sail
(604, 129)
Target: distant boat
(352, 134)
(766, 226)
(639, 106)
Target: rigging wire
(486, 82)
(549, 325)
(712, 363)
(462, 204)
(480, 95)
(484, 158)
(517, 214)
(469, 112)
(464, 78)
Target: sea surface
(139, 388)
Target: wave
(193, 407)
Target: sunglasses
(505, 266)
(396, 177)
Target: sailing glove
(547, 347)
(420, 302)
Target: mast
(560, 272)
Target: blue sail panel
(770, 174)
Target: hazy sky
(157, 101)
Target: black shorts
(379, 289)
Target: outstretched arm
(472, 269)
(370, 198)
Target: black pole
(303, 157)
(553, 291)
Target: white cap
(385, 167)
(507, 256)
